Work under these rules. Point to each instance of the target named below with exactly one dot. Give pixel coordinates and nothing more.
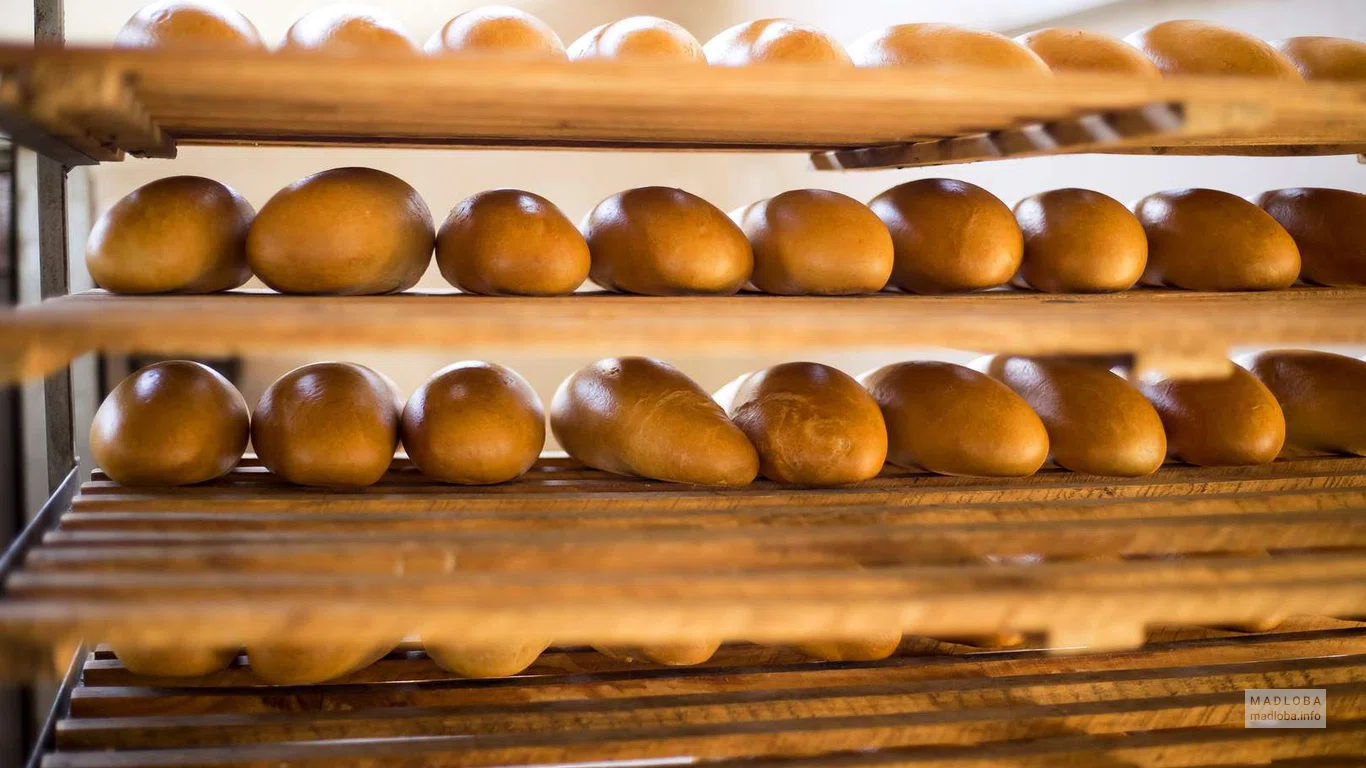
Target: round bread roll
(1321, 395)
(949, 236)
(190, 24)
(952, 420)
(180, 234)
(1097, 422)
(1228, 422)
(174, 661)
(1206, 240)
(484, 661)
(812, 424)
(1188, 47)
(638, 38)
(499, 30)
(811, 242)
(639, 416)
(1079, 241)
(661, 241)
(1080, 50)
(349, 29)
(943, 46)
(668, 654)
(331, 424)
(1325, 58)
(506, 242)
(767, 41)
(171, 423)
(474, 423)
(1326, 225)
(873, 648)
(343, 232)
(306, 665)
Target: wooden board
(105, 102)
(1172, 331)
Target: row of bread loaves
(186, 234)
(339, 424)
(1172, 47)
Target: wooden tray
(1172, 331)
(95, 104)
(1177, 701)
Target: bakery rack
(1143, 607)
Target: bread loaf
(949, 236)
(510, 242)
(281, 664)
(874, 648)
(943, 46)
(638, 416)
(1079, 241)
(173, 661)
(768, 41)
(668, 654)
(1232, 421)
(330, 424)
(1188, 47)
(497, 30)
(1326, 225)
(1097, 422)
(1325, 58)
(1080, 50)
(484, 661)
(812, 424)
(196, 25)
(1322, 395)
(952, 420)
(474, 423)
(814, 242)
(171, 423)
(349, 30)
(638, 38)
(661, 241)
(180, 234)
(1206, 240)
(345, 232)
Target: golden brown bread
(190, 24)
(280, 664)
(349, 30)
(180, 234)
(1325, 58)
(812, 424)
(1081, 50)
(331, 424)
(949, 236)
(668, 654)
(497, 30)
(1190, 47)
(174, 661)
(510, 242)
(662, 241)
(344, 232)
(1322, 395)
(1207, 240)
(873, 648)
(1097, 422)
(1079, 241)
(1233, 421)
(1326, 225)
(953, 420)
(639, 416)
(815, 242)
(484, 661)
(943, 46)
(767, 41)
(171, 423)
(474, 423)
(638, 38)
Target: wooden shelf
(1179, 332)
(1176, 702)
(100, 103)
(584, 556)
